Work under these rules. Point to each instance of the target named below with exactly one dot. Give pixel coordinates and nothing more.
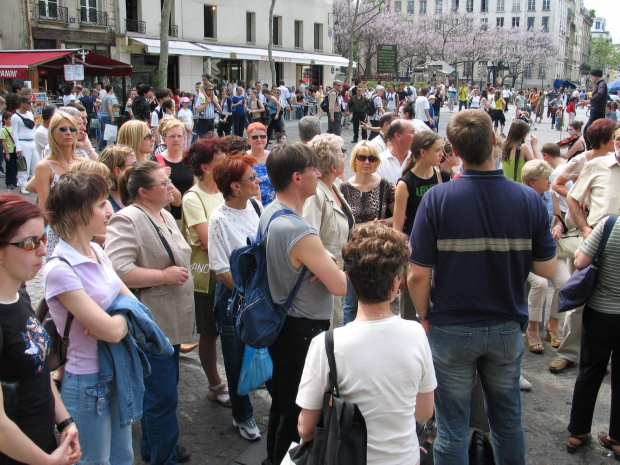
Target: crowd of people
(135, 246)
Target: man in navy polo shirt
(478, 237)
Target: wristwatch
(63, 424)
(422, 318)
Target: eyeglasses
(128, 165)
(65, 129)
(251, 178)
(148, 136)
(30, 243)
(370, 158)
(164, 184)
(261, 136)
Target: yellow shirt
(197, 208)
(7, 135)
(463, 93)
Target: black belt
(207, 119)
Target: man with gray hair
(334, 111)
(309, 126)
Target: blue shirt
(480, 233)
(239, 110)
(267, 193)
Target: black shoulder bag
(161, 237)
(517, 155)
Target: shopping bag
(110, 132)
(256, 369)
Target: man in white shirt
(375, 119)
(384, 123)
(400, 134)
(422, 108)
(22, 122)
(506, 96)
(40, 134)
(161, 95)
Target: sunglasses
(65, 129)
(251, 178)
(262, 136)
(370, 158)
(30, 243)
(148, 136)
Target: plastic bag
(256, 369)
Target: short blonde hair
(533, 170)
(167, 124)
(86, 165)
(364, 148)
(327, 147)
(55, 151)
(115, 156)
(131, 134)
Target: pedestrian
(334, 112)
(185, 117)
(473, 325)
(357, 108)
(463, 91)
(137, 135)
(8, 148)
(598, 100)
(207, 106)
(516, 152)
(22, 124)
(107, 112)
(377, 99)
(238, 111)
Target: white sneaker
(248, 429)
(524, 384)
(24, 191)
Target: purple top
(102, 285)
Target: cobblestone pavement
(206, 428)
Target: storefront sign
(74, 72)
(12, 73)
(266, 58)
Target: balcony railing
(133, 25)
(53, 12)
(93, 17)
(173, 30)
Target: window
(455, 5)
(531, 5)
(541, 72)
(500, 6)
(88, 11)
(438, 6)
(250, 27)
(467, 68)
(469, 6)
(210, 21)
(545, 23)
(318, 36)
(484, 6)
(422, 7)
(398, 6)
(299, 34)
(410, 8)
(277, 30)
(530, 23)
(48, 8)
(484, 24)
(527, 72)
(515, 22)
(516, 5)
(469, 22)
(499, 22)
(546, 5)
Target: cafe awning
(15, 64)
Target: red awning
(15, 63)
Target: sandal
(534, 344)
(554, 338)
(609, 443)
(572, 447)
(219, 394)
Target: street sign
(74, 72)
(387, 56)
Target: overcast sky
(610, 10)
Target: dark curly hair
(202, 152)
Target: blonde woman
(117, 158)
(137, 135)
(62, 139)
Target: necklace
(207, 189)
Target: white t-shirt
(391, 101)
(390, 168)
(419, 126)
(421, 104)
(379, 142)
(67, 99)
(229, 229)
(155, 117)
(569, 184)
(187, 116)
(40, 139)
(382, 366)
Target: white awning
(177, 47)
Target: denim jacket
(126, 362)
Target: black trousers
(274, 125)
(357, 118)
(599, 341)
(239, 125)
(204, 126)
(289, 356)
(224, 128)
(375, 124)
(11, 170)
(593, 118)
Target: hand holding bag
(580, 285)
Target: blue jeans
(349, 308)
(160, 428)
(94, 407)
(232, 351)
(495, 352)
(104, 120)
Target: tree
(272, 63)
(161, 76)
(604, 54)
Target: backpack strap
(381, 191)
(255, 205)
(333, 374)
(609, 225)
(517, 155)
(438, 173)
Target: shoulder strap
(381, 192)
(255, 205)
(609, 225)
(517, 155)
(161, 237)
(8, 133)
(333, 374)
(44, 311)
(438, 173)
(160, 159)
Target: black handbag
(9, 394)
(341, 437)
(480, 449)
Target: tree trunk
(354, 43)
(161, 76)
(272, 63)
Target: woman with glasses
(62, 138)
(230, 225)
(328, 211)
(371, 199)
(117, 158)
(151, 256)
(28, 435)
(257, 138)
(137, 135)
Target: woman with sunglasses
(117, 158)
(137, 135)
(62, 138)
(82, 282)
(28, 436)
(151, 256)
(371, 199)
(257, 138)
(230, 225)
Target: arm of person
(428, 115)
(226, 279)
(42, 174)
(309, 251)
(574, 207)
(400, 206)
(110, 111)
(424, 405)
(308, 419)
(559, 185)
(61, 414)
(545, 269)
(15, 120)
(419, 285)
(177, 198)
(536, 154)
(558, 227)
(577, 147)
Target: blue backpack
(259, 319)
